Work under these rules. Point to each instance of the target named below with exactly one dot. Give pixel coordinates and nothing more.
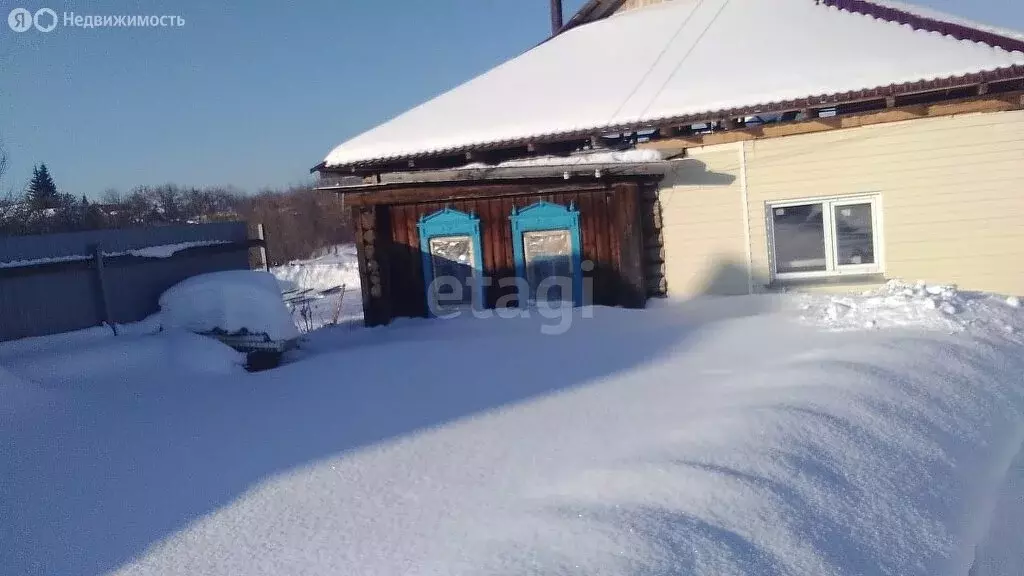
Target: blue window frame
(547, 217)
(445, 237)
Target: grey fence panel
(135, 289)
(69, 298)
(77, 243)
(47, 304)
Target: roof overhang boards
(1000, 91)
(569, 174)
(893, 111)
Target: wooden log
(657, 286)
(655, 254)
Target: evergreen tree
(42, 191)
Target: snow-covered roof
(677, 60)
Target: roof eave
(603, 171)
(816, 101)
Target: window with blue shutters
(452, 261)
(546, 246)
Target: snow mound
(231, 301)
(899, 304)
(199, 353)
(62, 363)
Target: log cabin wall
(653, 242)
(611, 227)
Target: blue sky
(253, 93)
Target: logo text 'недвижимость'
(46, 20)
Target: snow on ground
(1001, 551)
(314, 287)
(17, 396)
(745, 435)
(900, 304)
(88, 359)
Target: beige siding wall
(702, 224)
(951, 188)
(631, 4)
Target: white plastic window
(825, 237)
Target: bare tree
(299, 221)
(4, 161)
(112, 196)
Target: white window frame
(829, 204)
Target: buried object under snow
(241, 308)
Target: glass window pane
(854, 234)
(799, 238)
(548, 253)
(452, 257)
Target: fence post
(101, 283)
(261, 236)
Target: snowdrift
(760, 435)
(176, 352)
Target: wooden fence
(62, 282)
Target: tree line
(297, 220)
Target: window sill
(838, 280)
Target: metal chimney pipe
(556, 16)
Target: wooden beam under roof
(989, 103)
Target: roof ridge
(957, 30)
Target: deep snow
(754, 435)
(323, 289)
(1001, 551)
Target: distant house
(690, 147)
